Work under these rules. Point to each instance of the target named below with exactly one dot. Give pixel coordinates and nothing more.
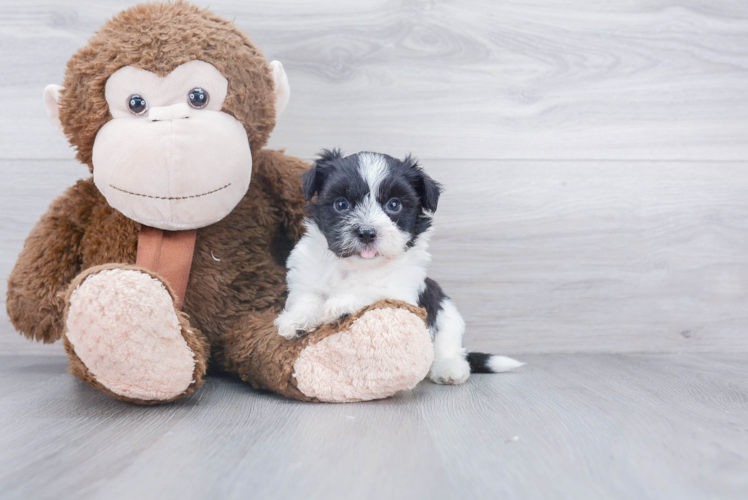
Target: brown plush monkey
(171, 257)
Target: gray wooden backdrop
(594, 153)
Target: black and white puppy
(367, 239)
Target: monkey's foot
(124, 336)
(375, 353)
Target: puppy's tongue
(368, 254)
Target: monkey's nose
(173, 112)
(367, 234)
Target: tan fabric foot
(125, 337)
(381, 350)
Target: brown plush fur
(80, 230)
(237, 280)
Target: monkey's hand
(50, 259)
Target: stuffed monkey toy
(171, 258)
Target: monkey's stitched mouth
(169, 197)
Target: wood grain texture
(586, 427)
(519, 79)
(543, 256)
(596, 256)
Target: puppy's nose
(367, 234)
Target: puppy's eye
(341, 205)
(198, 98)
(137, 105)
(393, 206)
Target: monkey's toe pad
(383, 352)
(123, 326)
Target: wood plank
(596, 256)
(535, 79)
(586, 427)
(543, 256)
(598, 426)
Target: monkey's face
(165, 105)
(170, 158)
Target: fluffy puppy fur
(367, 239)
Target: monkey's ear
(52, 103)
(282, 89)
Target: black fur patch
(418, 192)
(478, 362)
(281, 246)
(431, 299)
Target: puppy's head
(370, 205)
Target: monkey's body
(263, 221)
(76, 279)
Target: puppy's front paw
(338, 308)
(450, 371)
(292, 328)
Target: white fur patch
(373, 169)
(450, 363)
(450, 327)
(498, 364)
(451, 371)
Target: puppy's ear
(431, 192)
(311, 182)
(314, 178)
(427, 188)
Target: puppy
(367, 239)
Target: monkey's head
(166, 105)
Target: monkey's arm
(280, 176)
(50, 259)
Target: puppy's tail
(481, 362)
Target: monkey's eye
(137, 105)
(341, 205)
(198, 98)
(393, 206)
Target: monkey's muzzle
(178, 168)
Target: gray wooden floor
(647, 426)
(595, 156)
